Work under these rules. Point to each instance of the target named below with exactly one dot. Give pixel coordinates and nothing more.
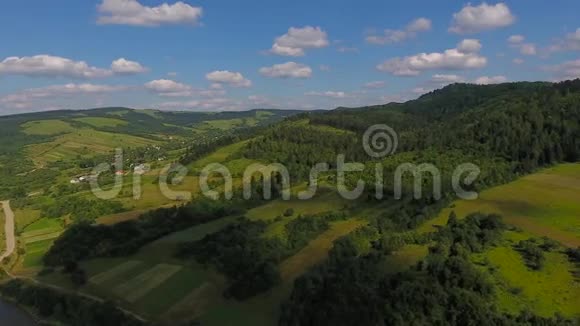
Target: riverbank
(14, 315)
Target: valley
(251, 261)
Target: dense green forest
(445, 288)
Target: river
(14, 316)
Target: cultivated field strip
(41, 237)
(30, 234)
(114, 272)
(143, 283)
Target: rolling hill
(508, 257)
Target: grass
(405, 258)
(38, 238)
(114, 272)
(325, 202)
(25, 217)
(545, 204)
(82, 142)
(139, 286)
(553, 289)
(34, 253)
(46, 127)
(100, 122)
(222, 156)
(42, 225)
(227, 124)
(317, 250)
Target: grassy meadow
(546, 203)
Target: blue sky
(234, 55)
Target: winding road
(8, 230)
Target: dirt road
(9, 230)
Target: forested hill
(527, 125)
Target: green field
(46, 127)
(38, 237)
(100, 122)
(554, 288)
(545, 204)
(83, 142)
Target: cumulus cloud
(565, 71)
(331, 94)
(571, 42)
(375, 84)
(211, 104)
(131, 12)
(234, 79)
(485, 80)
(469, 46)
(297, 40)
(518, 61)
(518, 42)
(50, 66)
(452, 59)
(123, 66)
(516, 39)
(345, 49)
(398, 35)
(446, 79)
(287, 70)
(36, 97)
(474, 19)
(170, 88)
(528, 49)
(45, 65)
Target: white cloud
(451, 59)
(324, 68)
(45, 65)
(516, 39)
(331, 94)
(50, 66)
(296, 40)
(446, 79)
(345, 49)
(167, 87)
(212, 104)
(528, 49)
(37, 97)
(517, 42)
(131, 12)
(571, 42)
(375, 84)
(518, 61)
(172, 74)
(469, 46)
(287, 70)
(567, 70)
(171, 88)
(123, 66)
(235, 79)
(485, 80)
(473, 19)
(390, 36)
